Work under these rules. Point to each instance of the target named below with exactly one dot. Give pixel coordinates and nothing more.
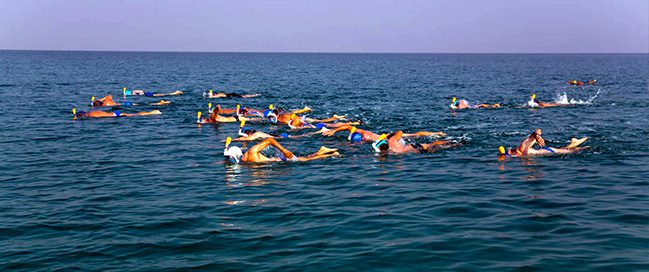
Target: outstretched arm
(423, 134)
(272, 142)
(301, 111)
(331, 132)
(326, 120)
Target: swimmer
(216, 118)
(301, 122)
(245, 111)
(101, 114)
(107, 101)
(575, 82)
(464, 104)
(235, 155)
(126, 92)
(211, 94)
(392, 143)
(247, 134)
(525, 148)
(535, 103)
(360, 135)
(592, 82)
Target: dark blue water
(152, 193)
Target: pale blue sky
(327, 26)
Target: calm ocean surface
(153, 193)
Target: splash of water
(562, 98)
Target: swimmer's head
(238, 112)
(271, 107)
(232, 153)
(272, 117)
(381, 145)
(501, 150)
(198, 116)
(533, 96)
(354, 136)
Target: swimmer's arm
(153, 112)
(331, 132)
(301, 111)
(272, 142)
(424, 134)
(250, 95)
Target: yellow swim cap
(270, 107)
(533, 96)
(92, 98)
(228, 140)
(74, 111)
(501, 149)
(352, 130)
(454, 99)
(292, 115)
(198, 114)
(209, 105)
(243, 122)
(383, 136)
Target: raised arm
(272, 142)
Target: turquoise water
(153, 193)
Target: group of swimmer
(384, 143)
(107, 101)
(296, 120)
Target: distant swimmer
(464, 104)
(525, 148)
(393, 144)
(576, 83)
(107, 101)
(535, 103)
(592, 82)
(235, 155)
(211, 94)
(102, 114)
(126, 92)
(360, 135)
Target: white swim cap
(233, 153)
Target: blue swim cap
(283, 135)
(118, 113)
(127, 103)
(356, 137)
(320, 125)
(148, 94)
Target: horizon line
(310, 52)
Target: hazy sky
(327, 26)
